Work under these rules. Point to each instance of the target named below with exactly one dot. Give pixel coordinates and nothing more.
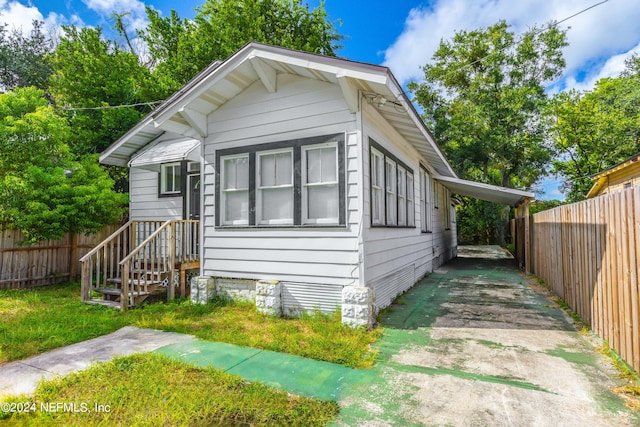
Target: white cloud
(19, 16)
(611, 68)
(594, 36)
(136, 8)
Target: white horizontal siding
(300, 108)
(394, 258)
(144, 201)
(389, 286)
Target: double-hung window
(286, 183)
(274, 187)
(402, 196)
(377, 188)
(435, 195)
(425, 201)
(171, 179)
(320, 196)
(411, 210)
(390, 179)
(447, 210)
(392, 194)
(235, 190)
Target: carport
(505, 196)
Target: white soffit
(490, 193)
(165, 151)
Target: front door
(193, 197)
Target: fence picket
(45, 263)
(589, 254)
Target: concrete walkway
(477, 344)
(23, 376)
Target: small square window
(171, 179)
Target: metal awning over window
(490, 193)
(165, 151)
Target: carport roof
(490, 193)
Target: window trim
(447, 210)
(386, 156)
(401, 196)
(222, 200)
(426, 202)
(391, 191)
(380, 188)
(411, 200)
(260, 188)
(435, 194)
(183, 172)
(305, 185)
(296, 146)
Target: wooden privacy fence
(45, 263)
(589, 253)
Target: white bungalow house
(314, 179)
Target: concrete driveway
(478, 344)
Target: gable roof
(601, 178)
(185, 112)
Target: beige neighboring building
(619, 177)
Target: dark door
(193, 197)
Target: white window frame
(305, 185)
(447, 209)
(426, 215)
(176, 170)
(402, 195)
(223, 198)
(391, 189)
(261, 189)
(377, 187)
(411, 209)
(435, 196)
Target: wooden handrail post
(85, 284)
(172, 260)
(124, 290)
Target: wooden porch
(139, 259)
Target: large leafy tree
(593, 131)
(23, 58)
(45, 190)
(92, 74)
(180, 48)
(483, 95)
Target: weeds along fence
(47, 262)
(589, 253)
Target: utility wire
(108, 107)
(539, 31)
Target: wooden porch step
(116, 292)
(106, 303)
(150, 282)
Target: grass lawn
(151, 390)
(35, 321)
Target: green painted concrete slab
(201, 353)
(294, 374)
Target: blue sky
(404, 34)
